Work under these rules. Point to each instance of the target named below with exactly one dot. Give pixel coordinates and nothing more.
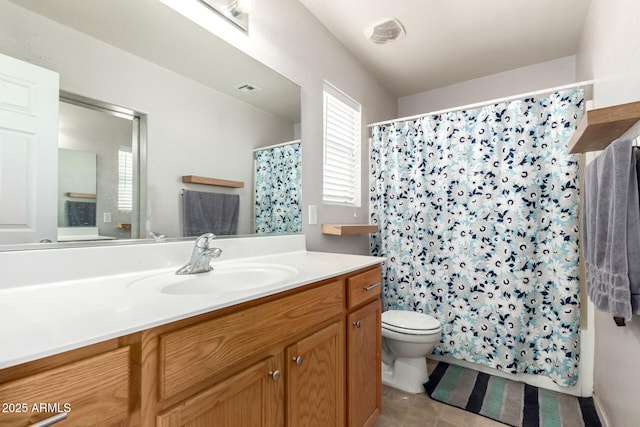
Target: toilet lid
(410, 321)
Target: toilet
(407, 338)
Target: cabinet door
(315, 379)
(251, 398)
(91, 392)
(364, 386)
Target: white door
(28, 152)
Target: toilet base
(406, 374)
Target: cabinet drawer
(93, 391)
(195, 353)
(364, 286)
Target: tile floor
(400, 409)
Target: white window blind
(341, 171)
(125, 179)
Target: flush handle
(372, 287)
(298, 360)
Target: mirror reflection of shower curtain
(278, 189)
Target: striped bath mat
(509, 402)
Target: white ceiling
(450, 41)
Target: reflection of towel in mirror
(611, 231)
(209, 213)
(81, 214)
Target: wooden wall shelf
(192, 179)
(602, 126)
(81, 195)
(348, 229)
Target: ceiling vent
(248, 88)
(384, 32)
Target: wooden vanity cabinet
(364, 348)
(306, 357)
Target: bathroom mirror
(95, 174)
(204, 109)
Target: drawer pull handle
(372, 287)
(298, 360)
(275, 375)
(51, 420)
(357, 324)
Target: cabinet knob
(51, 420)
(275, 375)
(357, 324)
(298, 360)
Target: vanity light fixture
(239, 7)
(235, 11)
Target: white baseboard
(600, 410)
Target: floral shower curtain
(278, 189)
(478, 219)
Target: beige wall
(610, 53)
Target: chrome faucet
(201, 256)
(159, 238)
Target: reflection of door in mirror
(95, 195)
(28, 129)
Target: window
(341, 166)
(125, 179)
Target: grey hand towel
(611, 231)
(209, 213)
(81, 214)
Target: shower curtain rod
(277, 145)
(490, 102)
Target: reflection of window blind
(125, 179)
(341, 171)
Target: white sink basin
(223, 279)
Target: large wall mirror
(191, 104)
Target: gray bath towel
(611, 231)
(209, 213)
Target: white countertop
(40, 320)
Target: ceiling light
(384, 32)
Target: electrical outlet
(106, 217)
(313, 214)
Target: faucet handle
(205, 240)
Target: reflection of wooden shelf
(123, 226)
(80, 195)
(191, 179)
(602, 126)
(348, 229)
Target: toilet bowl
(407, 338)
